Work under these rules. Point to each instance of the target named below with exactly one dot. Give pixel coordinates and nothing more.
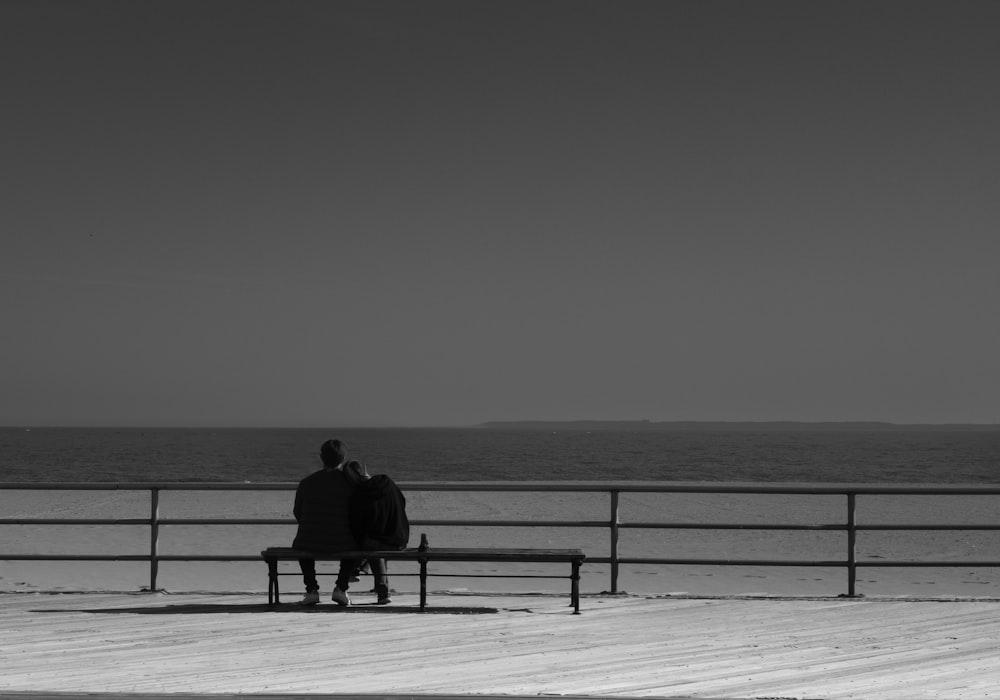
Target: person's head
(332, 453)
(356, 471)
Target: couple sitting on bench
(341, 508)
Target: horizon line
(487, 423)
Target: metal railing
(613, 524)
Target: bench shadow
(263, 608)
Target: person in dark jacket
(322, 509)
(378, 520)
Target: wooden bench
(575, 557)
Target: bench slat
(433, 554)
(272, 555)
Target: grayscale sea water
(934, 456)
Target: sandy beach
(694, 580)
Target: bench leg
(423, 584)
(272, 582)
(575, 587)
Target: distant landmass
(785, 426)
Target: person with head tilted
(377, 519)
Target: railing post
(852, 567)
(154, 537)
(614, 540)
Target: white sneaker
(311, 598)
(341, 598)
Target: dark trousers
(380, 574)
(347, 569)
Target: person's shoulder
(315, 476)
(388, 481)
(380, 485)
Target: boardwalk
(628, 646)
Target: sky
(302, 213)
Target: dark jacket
(322, 509)
(378, 514)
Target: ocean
(890, 456)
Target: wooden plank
(629, 646)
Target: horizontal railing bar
(590, 560)
(148, 485)
(514, 523)
(729, 562)
(75, 557)
(226, 521)
(208, 557)
(503, 523)
(957, 563)
(146, 521)
(874, 563)
(508, 523)
(75, 521)
(413, 523)
(129, 557)
(725, 526)
(290, 521)
(555, 486)
(760, 526)
(549, 576)
(887, 527)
